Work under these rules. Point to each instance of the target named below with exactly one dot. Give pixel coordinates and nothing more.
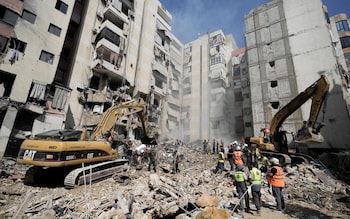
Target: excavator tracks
(95, 172)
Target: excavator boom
(277, 140)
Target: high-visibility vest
(237, 158)
(264, 161)
(221, 157)
(255, 176)
(277, 180)
(257, 153)
(238, 176)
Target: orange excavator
(75, 155)
(275, 138)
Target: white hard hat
(238, 148)
(275, 161)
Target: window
(18, 45)
(216, 60)
(342, 26)
(61, 6)
(345, 42)
(238, 96)
(8, 16)
(248, 124)
(273, 84)
(28, 16)
(108, 35)
(54, 29)
(3, 42)
(46, 57)
(236, 70)
(347, 59)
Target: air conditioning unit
(100, 15)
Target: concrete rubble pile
(194, 192)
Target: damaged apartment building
(63, 63)
(289, 45)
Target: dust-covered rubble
(196, 191)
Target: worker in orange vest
(276, 180)
(237, 156)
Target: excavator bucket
(308, 136)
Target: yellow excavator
(74, 155)
(275, 139)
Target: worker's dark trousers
(277, 193)
(256, 195)
(242, 190)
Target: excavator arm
(318, 92)
(113, 113)
(277, 140)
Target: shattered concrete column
(6, 128)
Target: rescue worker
(241, 186)
(152, 158)
(264, 164)
(267, 134)
(237, 156)
(214, 146)
(256, 155)
(230, 156)
(176, 161)
(221, 159)
(276, 180)
(255, 180)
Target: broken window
(28, 16)
(55, 30)
(8, 16)
(20, 46)
(94, 82)
(61, 6)
(275, 105)
(46, 57)
(272, 64)
(273, 84)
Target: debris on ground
(195, 191)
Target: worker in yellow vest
(241, 186)
(255, 180)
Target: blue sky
(192, 18)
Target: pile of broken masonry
(195, 192)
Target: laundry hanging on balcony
(60, 97)
(38, 90)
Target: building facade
(207, 68)
(32, 36)
(65, 62)
(289, 45)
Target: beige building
(289, 45)
(207, 67)
(31, 39)
(65, 62)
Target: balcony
(115, 14)
(108, 62)
(42, 96)
(159, 67)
